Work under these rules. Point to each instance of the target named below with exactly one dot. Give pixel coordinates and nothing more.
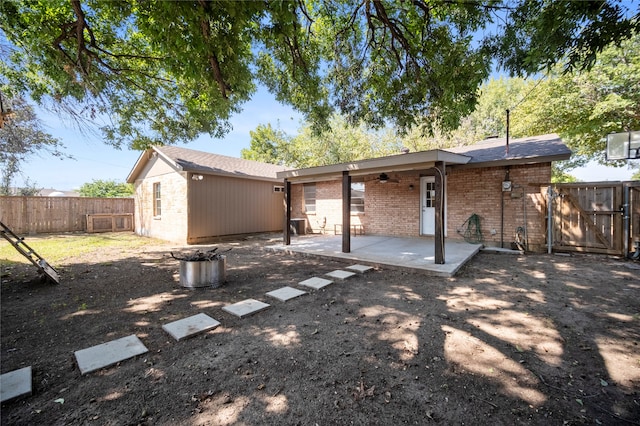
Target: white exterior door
(427, 203)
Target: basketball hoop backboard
(623, 146)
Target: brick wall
(394, 208)
(479, 191)
(328, 207)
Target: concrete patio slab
(286, 293)
(361, 269)
(190, 326)
(246, 307)
(416, 254)
(340, 275)
(106, 354)
(15, 384)
(316, 283)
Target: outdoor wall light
(411, 187)
(197, 177)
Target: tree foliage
(340, 142)
(105, 189)
(584, 107)
(20, 138)
(268, 145)
(164, 71)
(581, 106)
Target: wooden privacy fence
(602, 217)
(45, 215)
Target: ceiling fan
(384, 178)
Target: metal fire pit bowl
(203, 273)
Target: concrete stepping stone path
(190, 326)
(361, 269)
(286, 293)
(19, 382)
(340, 275)
(106, 354)
(246, 307)
(15, 384)
(316, 283)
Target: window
(357, 197)
(429, 194)
(310, 197)
(278, 189)
(157, 206)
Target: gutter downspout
(506, 178)
(287, 213)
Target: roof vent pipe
(507, 148)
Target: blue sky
(95, 160)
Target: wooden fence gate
(602, 217)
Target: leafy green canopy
(339, 142)
(166, 71)
(105, 189)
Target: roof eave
(195, 170)
(515, 161)
(395, 163)
(137, 168)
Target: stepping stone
(246, 307)
(106, 354)
(340, 275)
(316, 283)
(286, 293)
(15, 383)
(190, 326)
(361, 269)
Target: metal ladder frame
(22, 247)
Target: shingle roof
(191, 160)
(532, 148)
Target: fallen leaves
(362, 391)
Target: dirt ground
(512, 339)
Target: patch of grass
(56, 248)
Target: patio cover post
(287, 212)
(439, 219)
(346, 212)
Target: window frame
(309, 202)
(157, 199)
(357, 207)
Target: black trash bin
(298, 226)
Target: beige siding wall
(227, 206)
(394, 208)
(171, 225)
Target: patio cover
(392, 163)
(395, 163)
